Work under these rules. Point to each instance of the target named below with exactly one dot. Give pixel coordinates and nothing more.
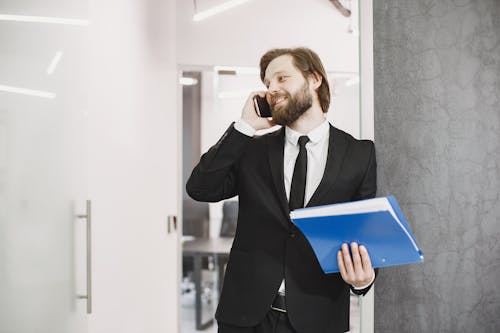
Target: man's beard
(296, 106)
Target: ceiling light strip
(54, 62)
(43, 19)
(29, 92)
(217, 9)
(188, 81)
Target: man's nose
(273, 87)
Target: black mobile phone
(262, 107)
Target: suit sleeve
(366, 190)
(363, 292)
(215, 177)
(368, 187)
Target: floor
(209, 303)
(210, 299)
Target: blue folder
(386, 236)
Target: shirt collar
(315, 136)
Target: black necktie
(298, 187)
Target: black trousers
(274, 322)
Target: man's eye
(282, 78)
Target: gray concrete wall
(437, 131)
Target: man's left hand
(356, 270)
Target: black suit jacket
(267, 247)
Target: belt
(279, 303)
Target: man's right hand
(250, 116)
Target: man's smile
(277, 101)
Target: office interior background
(101, 121)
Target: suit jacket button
(291, 234)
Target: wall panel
(437, 130)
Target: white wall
(239, 36)
(132, 157)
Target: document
(378, 224)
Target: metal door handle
(171, 223)
(88, 217)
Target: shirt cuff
(243, 127)
(366, 285)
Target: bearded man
(273, 281)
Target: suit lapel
(337, 147)
(276, 150)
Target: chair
(195, 223)
(229, 219)
(195, 218)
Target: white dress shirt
(317, 153)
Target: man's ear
(315, 80)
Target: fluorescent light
(352, 78)
(238, 70)
(43, 19)
(29, 92)
(188, 81)
(217, 9)
(54, 62)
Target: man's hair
(305, 60)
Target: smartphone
(262, 107)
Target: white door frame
(367, 302)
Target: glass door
(43, 100)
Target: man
(273, 281)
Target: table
(204, 247)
